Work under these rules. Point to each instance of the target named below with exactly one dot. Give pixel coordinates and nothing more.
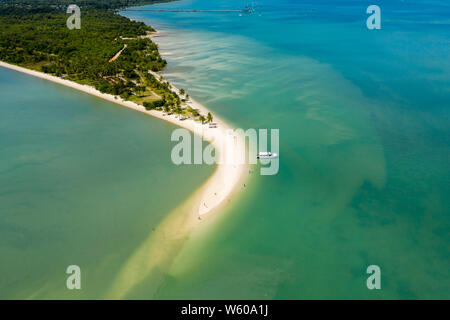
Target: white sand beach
(226, 178)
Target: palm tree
(178, 110)
(202, 119)
(209, 117)
(140, 89)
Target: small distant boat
(266, 155)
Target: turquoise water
(364, 144)
(82, 181)
(363, 179)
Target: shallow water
(364, 147)
(82, 181)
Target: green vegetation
(34, 35)
(154, 104)
(97, 4)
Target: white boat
(266, 155)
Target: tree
(140, 89)
(209, 117)
(104, 87)
(178, 110)
(159, 103)
(182, 92)
(202, 119)
(148, 105)
(154, 104)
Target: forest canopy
(97, 4)
(110, 52)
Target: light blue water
(364, 144)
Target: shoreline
(226, 178)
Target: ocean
(364, 147)
(82, 182)
(363, 117)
